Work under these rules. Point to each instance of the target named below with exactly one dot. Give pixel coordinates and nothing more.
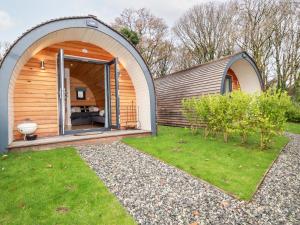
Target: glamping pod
(234, 72)
(71, 76)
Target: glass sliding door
(114, 100)
(98, 107)
(228, 84)
(117, 98)
(107, 96)
(61, 90)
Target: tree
(267, 29)
(297, 88)
(183, 58)
(165, 59)
(286, 47)
(255, 26)
(154, 44)
(130, 35)
(205, 32)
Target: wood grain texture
(194, 82)
(91, 77)
(35, 90)
(89, 95)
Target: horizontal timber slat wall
(35, 90)
(92, 78)
(194, 82)
(89, 98)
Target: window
(228, 84)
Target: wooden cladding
(90, 98)
(35, 95)
(35, 91)
(194, 82)
(126, 95)
(91, 77)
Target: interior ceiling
(80, 69)
(89, 73)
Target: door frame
(61, 92)
(229, 79)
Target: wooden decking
(71, 140)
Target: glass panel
(84, 96)
(114, 87)
(228, 84)
(61, 92)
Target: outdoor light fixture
(84, 50)
(42, 64)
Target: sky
(16, 16)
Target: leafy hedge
(240, 113)
(293, 113)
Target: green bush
(293, 113)
(131, 35)
(241, 107)
(190, 113)
(222, 116)
(210, 114)
(269, 115)
(239, 112)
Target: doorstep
(71, 140)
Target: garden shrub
(293, 113)
(270, 115)
(241, 107)
(240, 113)
(189, 111)
(203, 113)
(223, 116)
(211, 113)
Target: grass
(233, 167)
(293, 128)
(55, 187)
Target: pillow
(75, 109)
(101, 113)
(93, 109)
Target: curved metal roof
(24, 46)
(212, 72)
(60, 19)
(207, 78)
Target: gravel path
(156, 193)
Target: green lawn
(55, 187)
(233, 167)
(293, 128)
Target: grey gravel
(156, 193)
